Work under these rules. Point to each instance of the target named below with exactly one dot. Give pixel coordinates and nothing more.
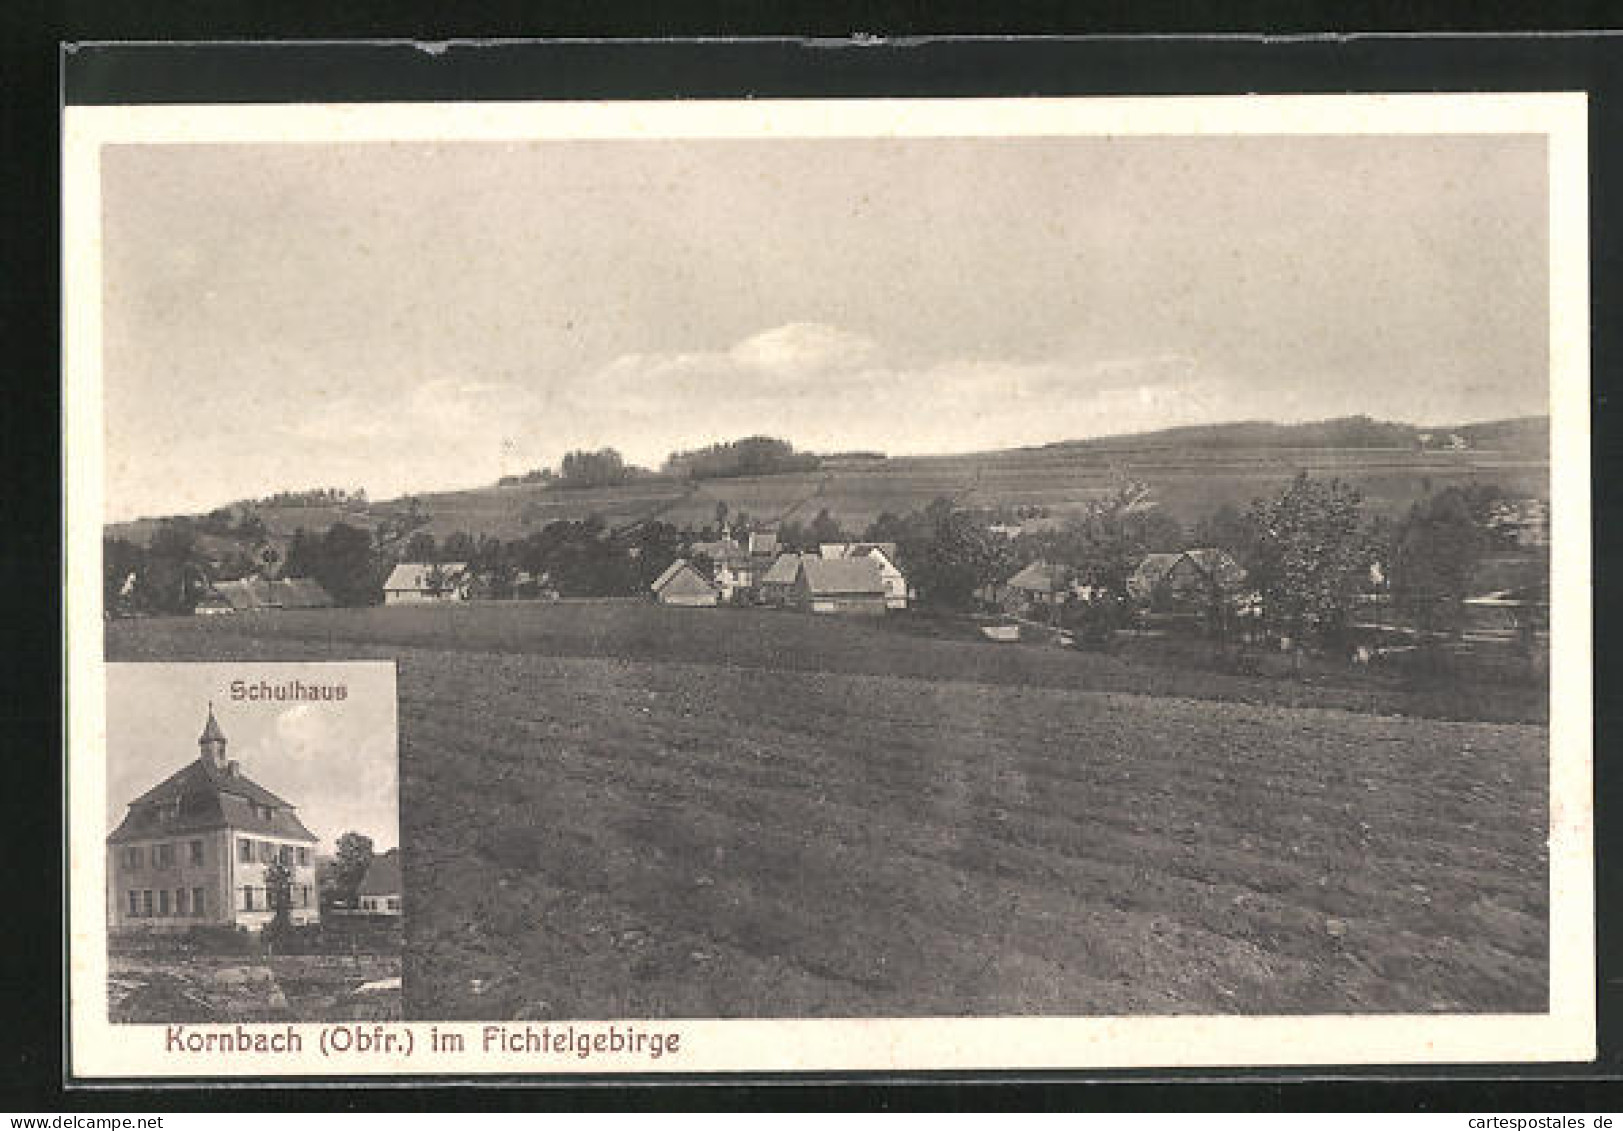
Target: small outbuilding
(683, 584)
(379, 891)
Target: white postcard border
(1566, 1033)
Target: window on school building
(163, 902)
(247, 898)
(245, 850)
(197, 901)
(394, 903)
(146, 903)
(163, 856)
(267, 852)
(132, 859)
(181, 906)
(304, 857)
(135, 902)
(197, 852)
(304, 895)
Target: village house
(193, 850)
(1041, 587)
(420, 583)
(1186, 581)
(733, 569)
(896, 591)
(839, 585)
(379, 890)
(256, 592)
(778, 582)
(683, 584)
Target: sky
(414, 316)
(335, 762)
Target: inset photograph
(253, 858)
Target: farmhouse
(733, 569)
(418, 583)
(882, 552)
(1040, 585)
(839, 585)
(300, 593)
(778, 583)
(379, 891)
(1186, 580)
(683, 584)
(193, 850)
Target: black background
(908, 60)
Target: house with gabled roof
(732, 568)
(379, 890)
(421, 583)
(193, 850)
(683, 584)
(1189, 578)
(778, 583)
(890, 572)
(839, 585)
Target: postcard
(828, 585)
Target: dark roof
(1040, 577)
(682, 574)
(382, 875)
(842, 575)
(300, 593)
(783, 571)
(199, 798)
(246, 593)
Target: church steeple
(211, 744)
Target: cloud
(803, 350)
(818, 385)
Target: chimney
(211, 744)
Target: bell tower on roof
(211, 744)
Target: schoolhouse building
(193, 850)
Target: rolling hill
(1192, 472)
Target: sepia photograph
(256, 875)
(1068, 562)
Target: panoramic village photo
(1071, 576)
(255, 875)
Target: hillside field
(615, 810)
(1189, 484)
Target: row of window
(269, 853)
(161, 855)
(258, 899)
(144, 906)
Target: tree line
(1311, 554)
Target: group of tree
(316, 497)
(541, 475)
(345, 560)
(753, 455)
(602, 468)
(167, 575)
(1311, 553)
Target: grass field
(625, 810)
(1189, 483)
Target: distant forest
(1530, 434)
